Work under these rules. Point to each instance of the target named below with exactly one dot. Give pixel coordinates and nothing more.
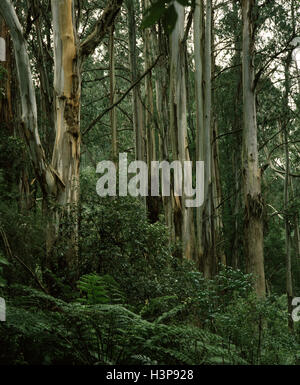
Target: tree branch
(88, 46)
(99, 117)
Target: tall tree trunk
(136, 99)
(183, 217)
(199, 75)
(159, 42)
(237, 241)
(208, 255)
(217, 227)
(151, 201)
(67, 84)
(289, 280)
(113, 120)
(203, 61)
(219, 253)
(67, 93)
(251, 172)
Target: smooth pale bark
(50, 182)
(67, 92)
(183, 218)
(68, 58)
(253, 203)
(67, 83)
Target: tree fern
(100, 289)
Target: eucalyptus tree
(183, 216)
(59, 179)
(137, 107)
(251, 171)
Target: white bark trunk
(67, 83)
(49, 181)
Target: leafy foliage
(100, 290)
(162, 9)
